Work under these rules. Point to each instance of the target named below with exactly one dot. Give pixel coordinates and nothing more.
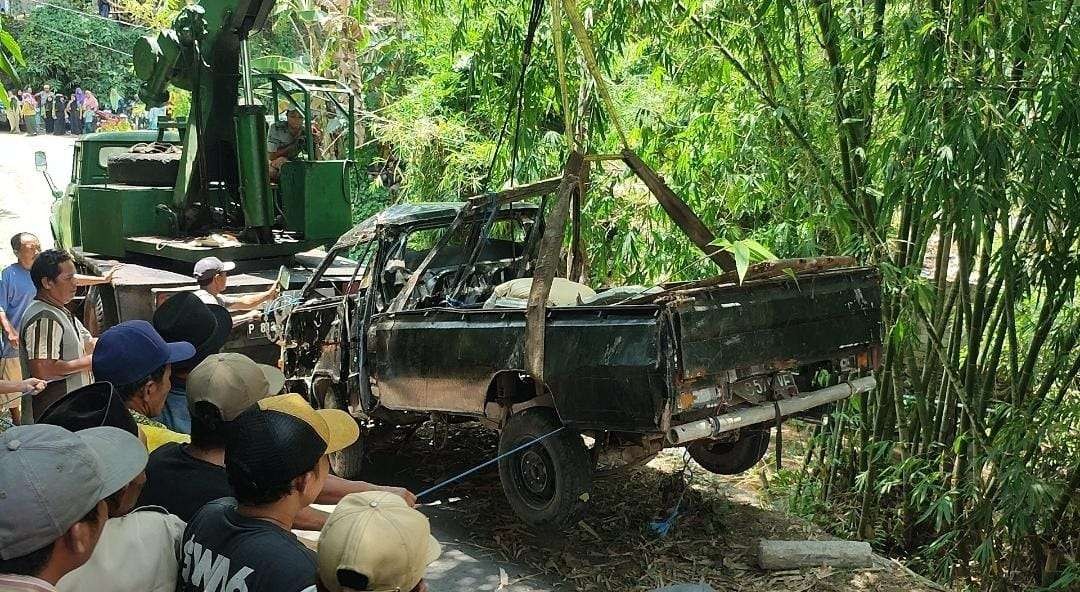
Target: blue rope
(490, 462)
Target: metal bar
(245, 72)
(307, 124)
(502, 198)
(714, 426)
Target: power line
(92, 15)
(87, 41)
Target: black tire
(348, 462)
(150, 169)
(99, 309)
(730, 458)
(547, 484)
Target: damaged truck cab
(424, 329)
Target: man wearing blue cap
(54, 484)
(137, 361)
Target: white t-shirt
(219, 299)
(138, 552)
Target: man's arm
(43, 338)
(9, 330)
(242, 302)
(337, 488)
(310, 519)
(93, 280)
(53, 369)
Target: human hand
(112, 273)
(32, 385)
(13, 339)
(405, 494)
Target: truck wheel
(730, 458)
(548, 483)
(348, 462)
(155, 169)
(99, 309)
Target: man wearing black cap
(149, 533)
(138, 362)
(185, 317)
(275, 460)
(184, 477)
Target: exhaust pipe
(713, 426)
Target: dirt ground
(713, 539)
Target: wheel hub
(534, 472)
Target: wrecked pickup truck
(427, 330)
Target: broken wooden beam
(776, 555)
(547, 263)
(679, 212)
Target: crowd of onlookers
(80, 112)
(102, 489)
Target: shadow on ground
(612, 548)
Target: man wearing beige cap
(275, 459)
(182, 478)
(53, 486)
(374, 541)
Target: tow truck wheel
(547, 484)
(730, 458)
(99, 309)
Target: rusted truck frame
(710, 365)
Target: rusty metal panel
(606, 368)
(442, 359)
(807, 320)
(603, 365)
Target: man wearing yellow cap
(375, 541)
(276, 462)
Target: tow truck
(158, 201)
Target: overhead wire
(535, 15)
(92, 15)
(87, 41)
(88, 15)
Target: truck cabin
(464, 268)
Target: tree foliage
(55, 45)
(938, 141)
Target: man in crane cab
(286, 139)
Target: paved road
(24, 206)
(24, 195)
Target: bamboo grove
(936, 139)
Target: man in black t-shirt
(275, 459)
(184, 477)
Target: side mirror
(40, 162)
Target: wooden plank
(547, 262)
(514, 194)
(679, 212)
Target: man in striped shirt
(54, 345)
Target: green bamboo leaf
(742, 258)
(8, 42)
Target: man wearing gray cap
(53, 484)
(213, 277)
